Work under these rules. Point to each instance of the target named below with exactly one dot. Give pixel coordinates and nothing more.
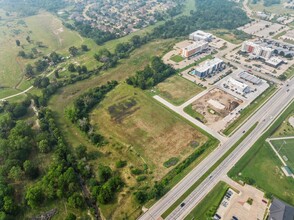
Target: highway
(265, 116)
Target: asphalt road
(265, 116)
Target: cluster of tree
(80, 69)
(107, 58)
(152, 74)
(210, 14)
(104, 190)
(16, 110)
(78, 114)
(31, 7)
(268, 3)
(42, 64)
(86, 30)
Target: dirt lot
(215, 105)
(132, 118)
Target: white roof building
(200, 35)
(237, 86)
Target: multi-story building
(257, 50)
(200, 35)
(194, 48)
(209, 68)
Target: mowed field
(177, 89)
(43, 29)
(133, 118)
(285, 148)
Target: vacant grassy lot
(285, 129)
(286, 150)
(227, 36)
(177, 89)
(177, 58)
(209, 204)
(245, 113)
(261, 165)
(43, 29)
(133, 118)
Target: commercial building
(280, 210)
(257, 50)
(209, 68)
(274, 62)
(200, 35)
(194, 48)
(237, 86)
(250, 78)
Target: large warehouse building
(200, 35)
(257, 50)
(209, 68)
(194, 48)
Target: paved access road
(265, 116)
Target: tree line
(78, 114)
(152, 74)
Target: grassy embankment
(210, 203)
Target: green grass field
(177, 58)
(275, 8)
(285, 129)
(208, 206)
(285, 148)
(44, 28)
(261, 165)
(177, 89)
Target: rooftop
(280, 210)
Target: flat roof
(195, 44)
(274, 61)
(250, 78)
(201, 33)
(208, 64)
(237, 83)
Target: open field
(261, 166)
(134, 119)
(227, 35)
(245, 113)
(209, 204)
(177, 58)
(215, 105)
(286, 150)
(275, 8)
(177, 89)
(285, 129)
(43, 29)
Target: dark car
(234, 218)
(183, 204)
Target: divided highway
(265, 116)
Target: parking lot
(242, 203)
(263, 28)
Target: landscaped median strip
(198, 182)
